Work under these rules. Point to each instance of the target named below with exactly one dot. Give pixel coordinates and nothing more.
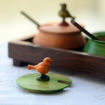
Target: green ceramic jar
(96, 47)
(99, 34)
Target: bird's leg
(64, 23)
(43, 77)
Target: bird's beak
(51, 61)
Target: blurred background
(13, 25)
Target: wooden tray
(24, 52)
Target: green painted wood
(30, 83)
(96, 47)
(99, 34)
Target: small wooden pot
(96, 47)
(100, 35)
(54, 35)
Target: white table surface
(84, 90)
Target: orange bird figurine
(43, 68)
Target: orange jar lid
(55, 28)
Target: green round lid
(56, 83)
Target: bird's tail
(31, 67)
(73, 17)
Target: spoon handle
(83, 30)
(27, 16)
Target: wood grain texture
(73, 61)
